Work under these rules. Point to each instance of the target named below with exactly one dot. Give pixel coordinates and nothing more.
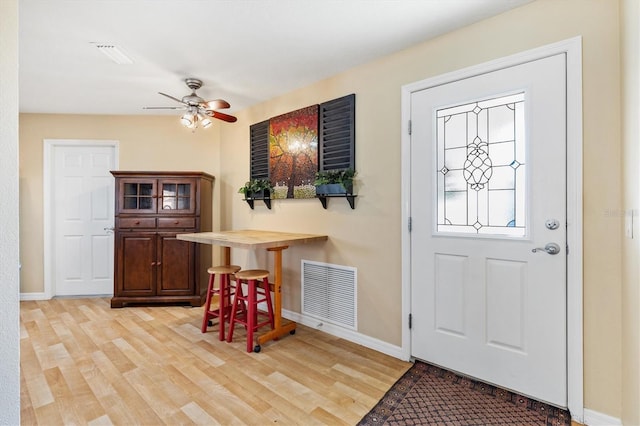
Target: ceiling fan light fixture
(206, 123)
(188, 119)
(198, 112)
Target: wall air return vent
(329, 293)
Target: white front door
(488, 191)
(82, 199)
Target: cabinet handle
(176, 222)
(137, 222)
(158, 263)
(153, 263)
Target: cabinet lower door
(136, 264)
(176, 266)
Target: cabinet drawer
(137, 222)
(176, 222)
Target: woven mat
(429, 395)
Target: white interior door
(488, 190)
(82, 195)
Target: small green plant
(343, 177)
(256, 186)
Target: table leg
(279, 330)
(226, 255)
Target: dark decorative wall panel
(337, 123)
(259, 145)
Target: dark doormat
(429, 395)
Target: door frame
(572, 48)
(49, 146)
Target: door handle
(550, 248)
(109, 229)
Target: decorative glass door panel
(481, 167)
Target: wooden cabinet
(151, 264)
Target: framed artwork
(293, 153)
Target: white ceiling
(245, 51)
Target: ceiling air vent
(114, 53)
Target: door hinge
(410, 224)
(409, 127)
(410, 321)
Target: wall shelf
(350, 198)
(267, 202)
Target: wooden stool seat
(253, 274)
(224, 292)
(252, 299)
(224, 269)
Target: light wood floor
(85, 363)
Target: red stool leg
(234, 309)
(222, 310)
(227, 300)
(241, 299)
(267, 293)
(251, 314)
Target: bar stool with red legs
(224, 293)
(254, 296)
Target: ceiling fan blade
(171, 97)
(221, 116)
(217, 104)
(167, 107)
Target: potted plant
(334, 181)
(257, 189)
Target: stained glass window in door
(481, 167)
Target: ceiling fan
(197, 109)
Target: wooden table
(273, 241)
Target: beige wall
(630, 20)
(146, 143)
(369, 236)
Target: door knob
(551, 248)
(109, 229)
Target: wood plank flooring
(84, 363)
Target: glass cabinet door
(176, 196)
(137, 196)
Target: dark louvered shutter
(259, 137)
(337, 123)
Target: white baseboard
(350, 335)
(34, 296)
(594, 418)
(45, 296)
